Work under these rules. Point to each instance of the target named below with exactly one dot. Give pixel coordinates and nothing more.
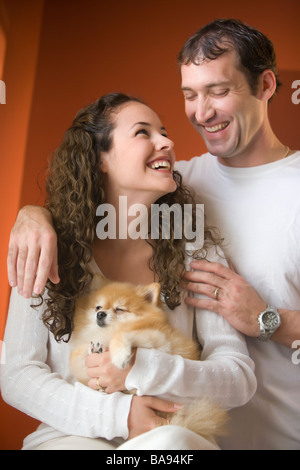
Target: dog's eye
(120, 310)
(98, 308)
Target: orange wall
(2, 49)
(90, 48)
(23, 28)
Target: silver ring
(216, 293)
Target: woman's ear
(104, 161)
(267, 85)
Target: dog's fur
(121, 316)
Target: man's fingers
(217, 269)
(30, 269)
(205, 304)
(47, 269)
(12, 264)
(21, 263)
(30, 273)
(195, 280)
(53, 273)
(211, 291)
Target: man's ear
(267, 85)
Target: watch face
(270, 320)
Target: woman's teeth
(219, 127)
(160, 164)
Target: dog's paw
(121, 358)
(95, 347)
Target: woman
(116, 147)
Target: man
(249, 184)
(251, 191)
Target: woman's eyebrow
(147, 124)
(141, 124)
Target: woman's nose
(164, 143)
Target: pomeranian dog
(120, 316)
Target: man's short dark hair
(255, 51)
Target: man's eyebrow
(212, 85)
(208, 85)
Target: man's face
(221, 106)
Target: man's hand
(32, 253)
(228, 295)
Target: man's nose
(204, 110)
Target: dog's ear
(98, 281)
(151, 292)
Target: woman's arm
(30, 383)
(225, 374)
(33, 380)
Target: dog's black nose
(101, 315)
(101, 318)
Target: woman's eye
(142, 131)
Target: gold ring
(99, 387)
(216, 293)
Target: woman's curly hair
(74, 191)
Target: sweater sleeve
(30, 383)
(225, 373)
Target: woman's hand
(228, 294)
(103, 372)
(32, 253)
(142, 416)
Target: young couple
(118, 146)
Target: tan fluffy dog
(121, 316)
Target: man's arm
(232, 297)
(32, 252)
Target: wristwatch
(268, 321)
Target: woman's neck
(124, 260)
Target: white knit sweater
(37, 381)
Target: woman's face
(141, 159)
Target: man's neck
(265, 149)
(262, 158)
